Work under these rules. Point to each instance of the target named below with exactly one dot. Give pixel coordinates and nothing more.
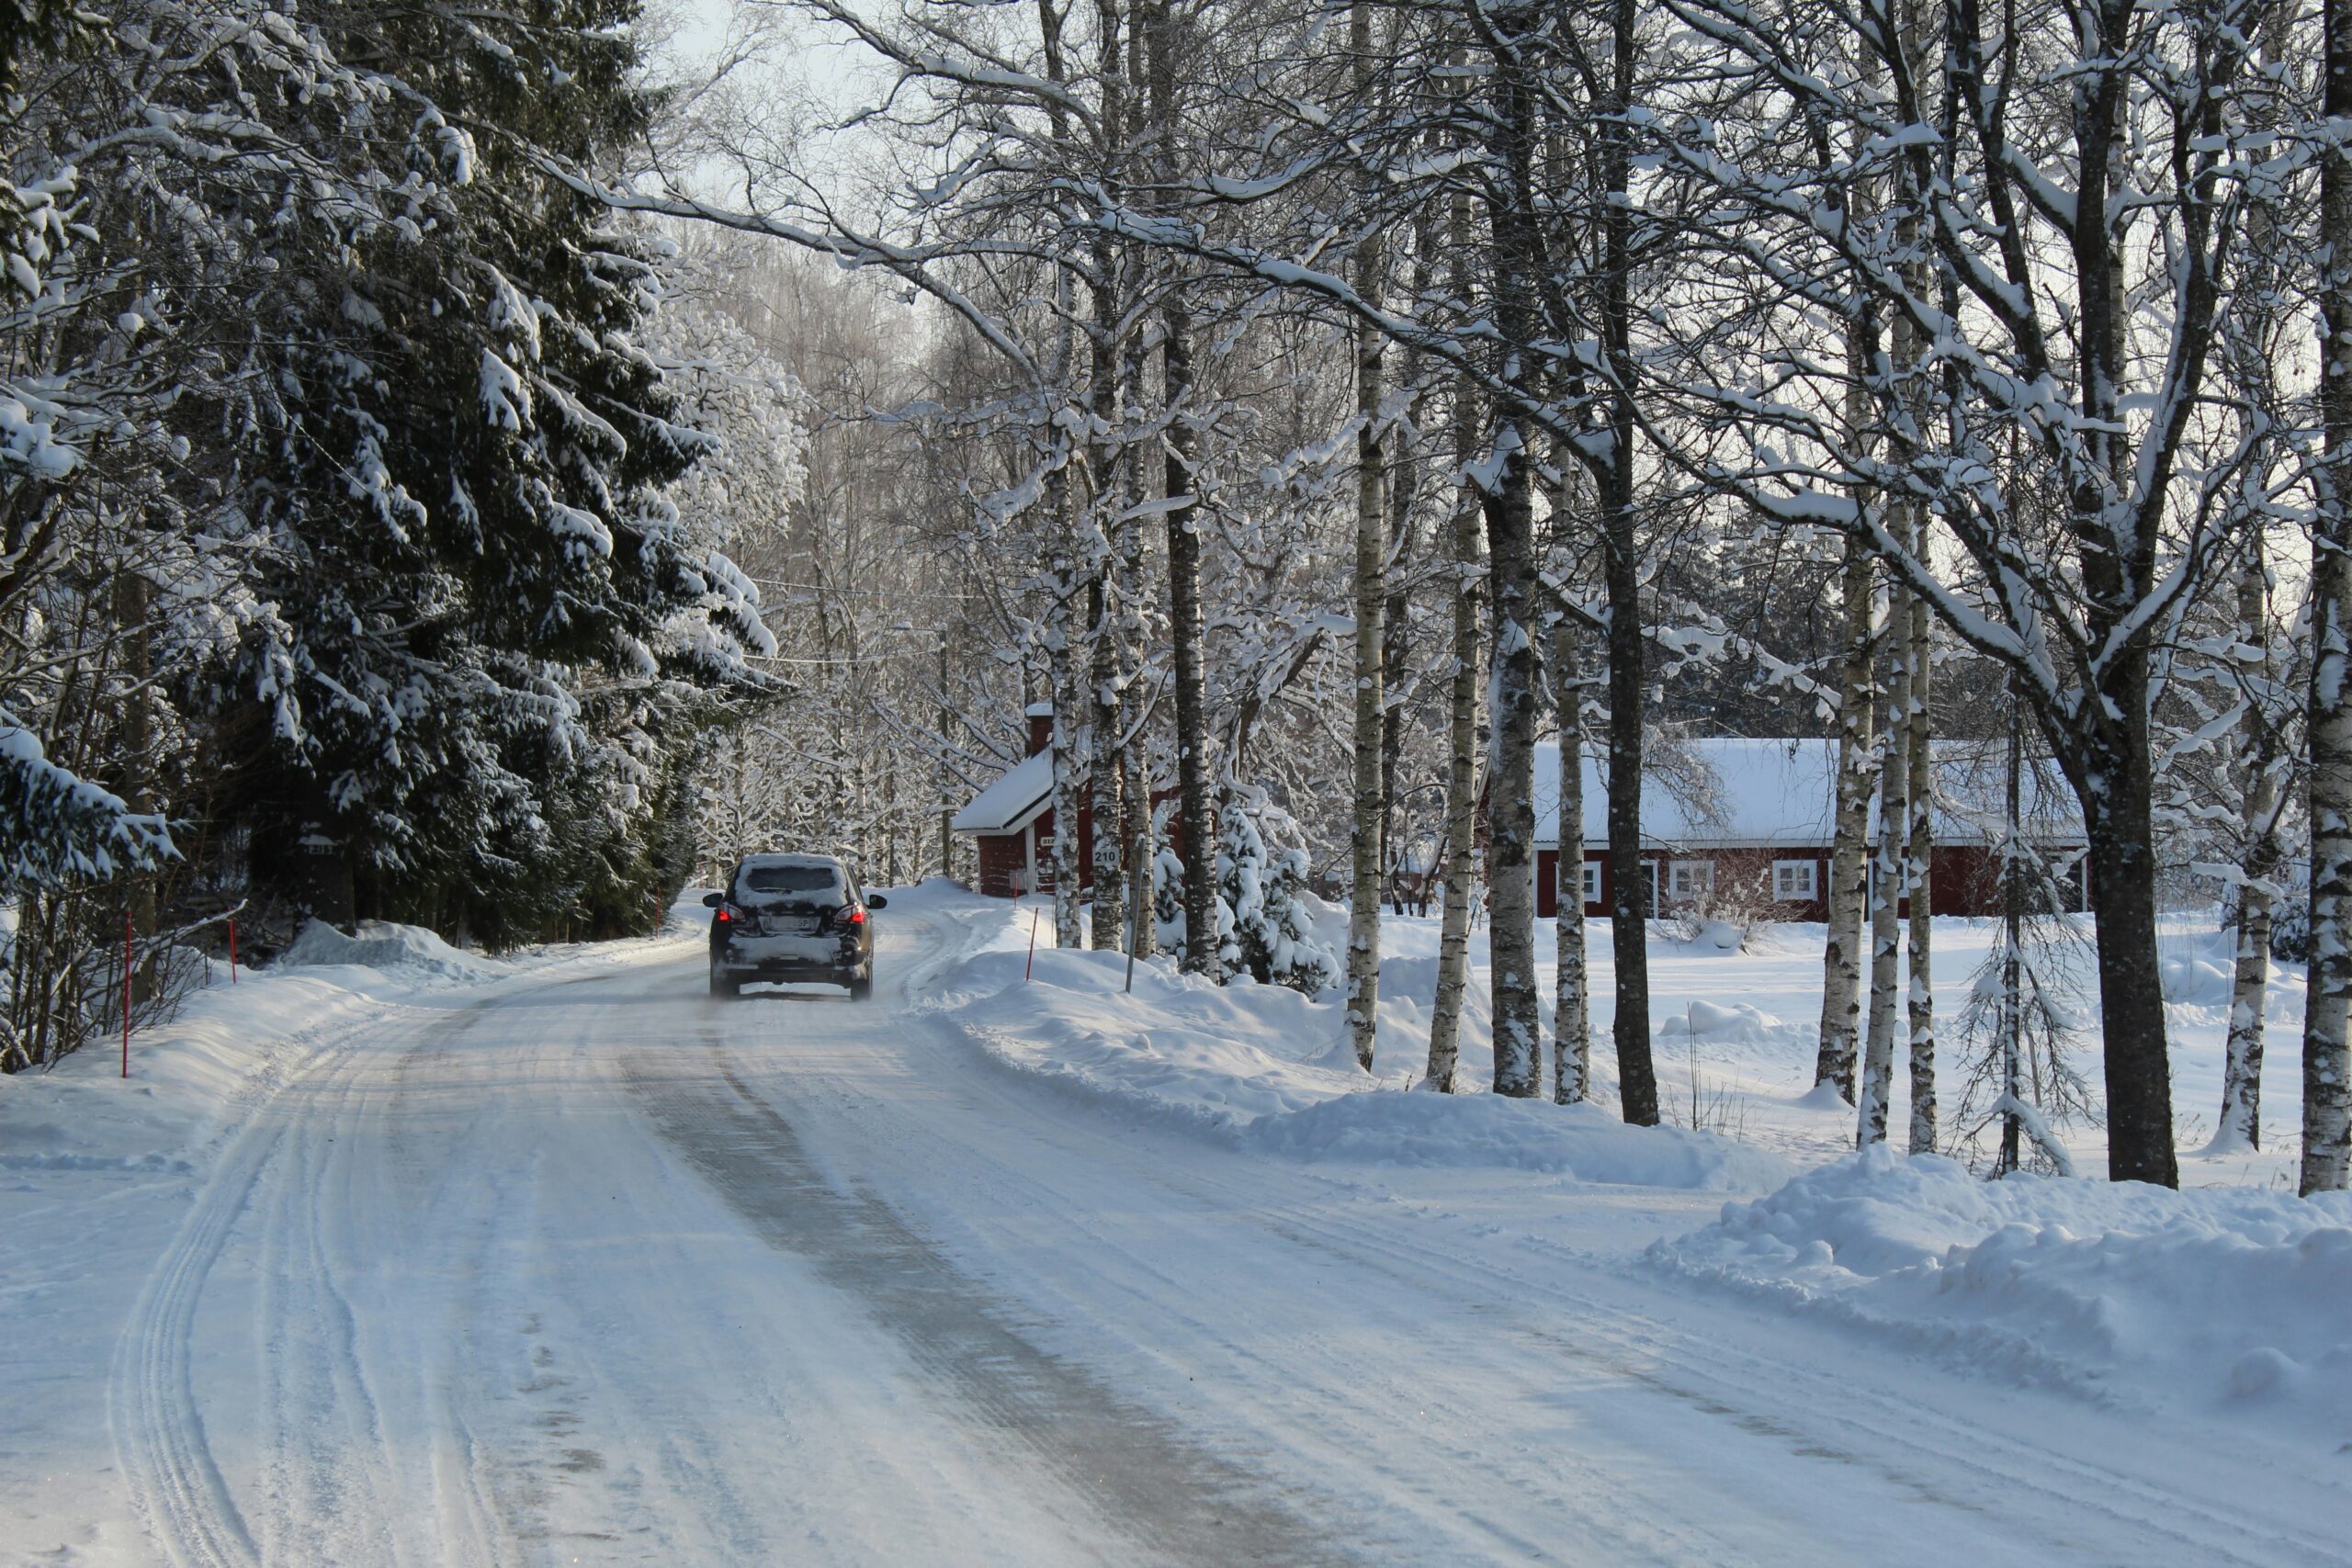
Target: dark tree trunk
(1622, 568)
(2118, 822)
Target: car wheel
(861, 986)
(723, 984)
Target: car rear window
(791, 879)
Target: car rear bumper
(785, 957)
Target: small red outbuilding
(1011, 821)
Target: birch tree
(2327, 1048)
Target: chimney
(1041, 728)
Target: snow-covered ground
(405, 1257)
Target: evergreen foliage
(341, 463)
(1272, 936)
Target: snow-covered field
(400, 1255)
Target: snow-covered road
(587, 1266)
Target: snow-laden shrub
(1168, 902)
(1273, 931)
(2290, 929)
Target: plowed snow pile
(1266, 1068)
(2218, 1298)
(385, 946)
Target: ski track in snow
(590, 1269)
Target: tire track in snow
(158, 1430)
(1174, 1500)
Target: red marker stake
(126, 993)
(1033, 944)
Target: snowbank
(1709, 1021)
(385, 946)
(2225, 1300)
(1265, 1069)
(1582, 1143)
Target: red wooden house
(1754, 822)
(1011, 821)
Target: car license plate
(787, 925)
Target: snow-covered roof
(1783, 793)
(1013, 801)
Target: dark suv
(791, 918)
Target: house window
(1690, 879)
(1591, 881)
(1792, 881)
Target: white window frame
(1785, 888)
(1699, 873)
(1590, 882)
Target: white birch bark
(1460, 798)
(1069, 774)
(2327, 1054)
(2011, 1019)
(2260, 856)
(1842, 956)
(1462, 707)
(1876, 1089)
(1571, 1006)
(1920, 855)
(1372, 514)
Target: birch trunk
(1510, 794)
(1135, 751)
(1069, 772)
(1461, 803)
(1841, 955)
(1372, 513)
(1919, 856)
(2327, 1057)
(1462, 707)
(2259, 857)
(1194, 826)
(2241, 1121)
(1845, 900)
(2012, 1007)
(1102, 722)
(1885, 893)
(1111, 468)
(1571, 1022)
(1509, 505)
(1192, 785)
(1061, 676)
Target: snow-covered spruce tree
(1273, 938)
(1170, 926)
(454, 504)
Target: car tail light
(723, 915)
(853, 916)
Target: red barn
(1752, 820)
(1011, 821)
